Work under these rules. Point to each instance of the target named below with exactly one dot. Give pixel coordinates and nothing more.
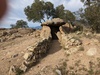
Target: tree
(12, 25)
(59, 12)
(49, 10)
(20, 24)
(69, 16)
(66, 15)
(38, 10)
(88, 3)
(92, 14)
(93, 17)
(35, 12)
(41, 11)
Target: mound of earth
(10, 34)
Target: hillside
(53, 50)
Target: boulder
(48, 22)
(59, 36)
(58, 21)
(58, 72)
(66, 28)
(28, 56)
(23, 67)
(14, 70)
(45, 32)
(53, 22)
(62, 30)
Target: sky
(16, 10)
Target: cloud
(16, 10)
(71, 5)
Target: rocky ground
(58, 61)
(82, 61)
(75, 53)
(12, 51)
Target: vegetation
(91, 14)
(78, 68)
(41, 11)
(20, 24)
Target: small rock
(88, 33)
(58, 72)
(28, 55)
(15, 55)
(78, 42)
(78, 32)
(30, 48)
(12, 70)
(91, 52)
(23, 67)
(73, 40)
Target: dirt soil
(54, 56)
(11, 53)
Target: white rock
(91, 52)
(12, 70)
(72, 40)
(23, 67)
(58, 72)
(27, 55)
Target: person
(3, 8)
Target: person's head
(3, 8)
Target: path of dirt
(52, 59)
(11, 53)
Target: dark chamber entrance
(54, 30)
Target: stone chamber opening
(54, 30)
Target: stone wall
(70, 43)
(38, 49)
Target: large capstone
(53, 22)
